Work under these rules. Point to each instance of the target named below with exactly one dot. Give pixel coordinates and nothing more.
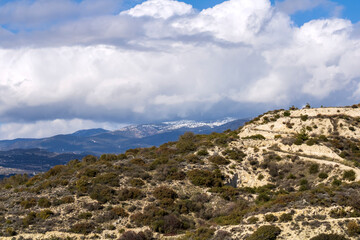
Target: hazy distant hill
(98, 141)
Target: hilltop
(287, 174)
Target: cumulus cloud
(160, 9)
(163, 60)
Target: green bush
(110, 179)
(205, 178)
(67, 199)
(89, 159)
(349, 175)
(270, 218)
(304, 117)
(267, 232)
(314, 168)
(202, 233)
(286, 217)
(186, 142)
(44, 202)
(192, 158)
(323, 175)
(202, 152)
(252, 220)
(44, 214)
(137, 161)
(82, 228)
(136, 182)
(219, 160)
(226, 192)
(119, 211)
(255, 137)
(234, 154)
(287, 114)
(324, 236)
(101, 193)
(29, 203)
(130, 193)
(164, 192)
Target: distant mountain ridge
(28, 155)
(98, 141)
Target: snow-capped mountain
(98, 141)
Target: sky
(71, 64)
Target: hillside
(287, 174)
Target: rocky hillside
(287, 174)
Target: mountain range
(36, 155)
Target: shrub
(119, 211)
(324, 236)
(82, 184)
(267, 232)
(44, 202)
(136, 182)
(255, 137)
(186, 142)
(202, 152)
(89, 159)
(353, 228)
(55, 171)
(67, 199)
(83, 228)
(226, 192)
(90, 172)
(286, 217)
(85, 215)
(287, 114)
(131, 235)
(110, 179)
(101, 193)
(323, 175)
(216, 159)
(314, 168)
(336, 182)
(263, 197)
(202, 233)
(10, 231)
(137, 161)
(29, 203)
(164, 192)
(108, 157)
(130, 193)
(252, 220)
(349, 175)
(205, 178)
(270, 218)
(304, 117)
(234, 154)
(44, 214)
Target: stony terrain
(287, 174)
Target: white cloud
(175, 64)
(160, 9)
(40, 129)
